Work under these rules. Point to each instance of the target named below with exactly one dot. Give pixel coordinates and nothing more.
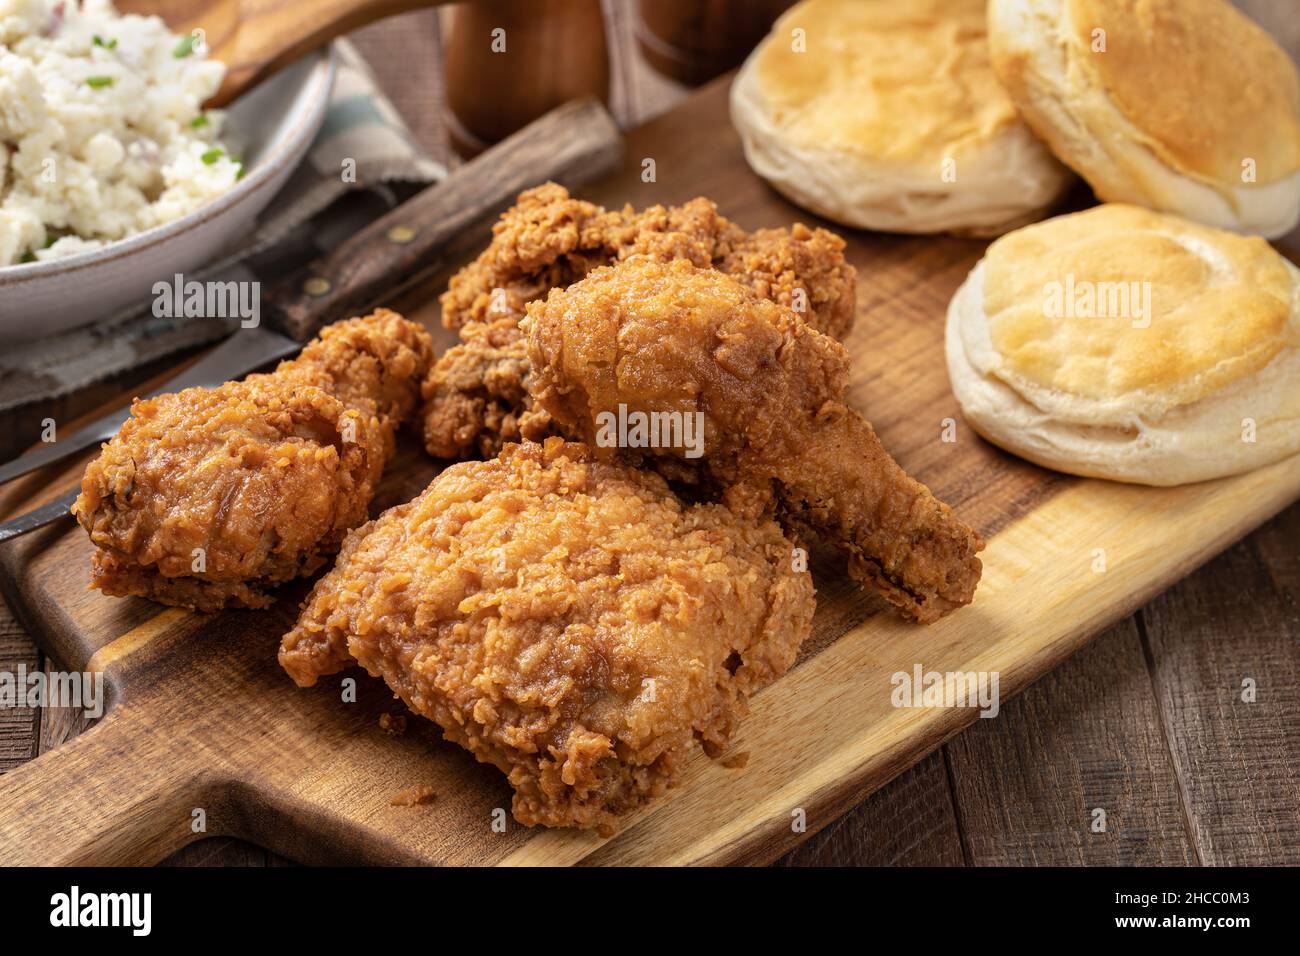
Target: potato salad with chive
(102, 131)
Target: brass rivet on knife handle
(571, 144)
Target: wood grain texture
(224, 851)
(910, 822)
(18, 725)
(1237, 761)
(58, 725)
(1086, 737)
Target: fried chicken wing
(569, 621)
(671, 338)
(476, 395)
(207, 498)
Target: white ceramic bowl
(274, 123)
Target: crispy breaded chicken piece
(374, 364)
(207, 498)
(476, 395)
(658, 337)
(568, 621)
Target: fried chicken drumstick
(654, 338)
(569, 621)
(476, 395)
(206, 498)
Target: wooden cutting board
(202, 718)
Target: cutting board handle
(123, 793)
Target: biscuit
(1126, 344)
(1183, 106)
(886, 114)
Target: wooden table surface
(1147, 723)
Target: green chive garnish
(98, 40)
(242, 170)
(199, 121)
(99, 82)
(28, 256)
(185, 47)
(211, 156)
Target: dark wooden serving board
(201, 717)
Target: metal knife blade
(39, 517)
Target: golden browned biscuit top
(1205, 88)
(1118, 301)
(905, 81)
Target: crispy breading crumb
(393, 724)
(414, 796)
(736, 761)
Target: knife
(571, 144)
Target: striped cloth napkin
(312, 213)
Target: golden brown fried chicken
(373, 364)
(476, 395)
(207, 498)
(570, 622)
(658, 338)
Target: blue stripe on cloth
(350, 112)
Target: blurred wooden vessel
(510, 61)
(693, 41)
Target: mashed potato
(101, 131)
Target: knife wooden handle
(571, 144)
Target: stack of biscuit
(1153, 339)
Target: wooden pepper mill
(510, 61)
(693, 41)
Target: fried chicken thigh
(477, 394)
(569, 621)
(674, 338)
(206, 498)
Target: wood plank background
(1147, 723)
